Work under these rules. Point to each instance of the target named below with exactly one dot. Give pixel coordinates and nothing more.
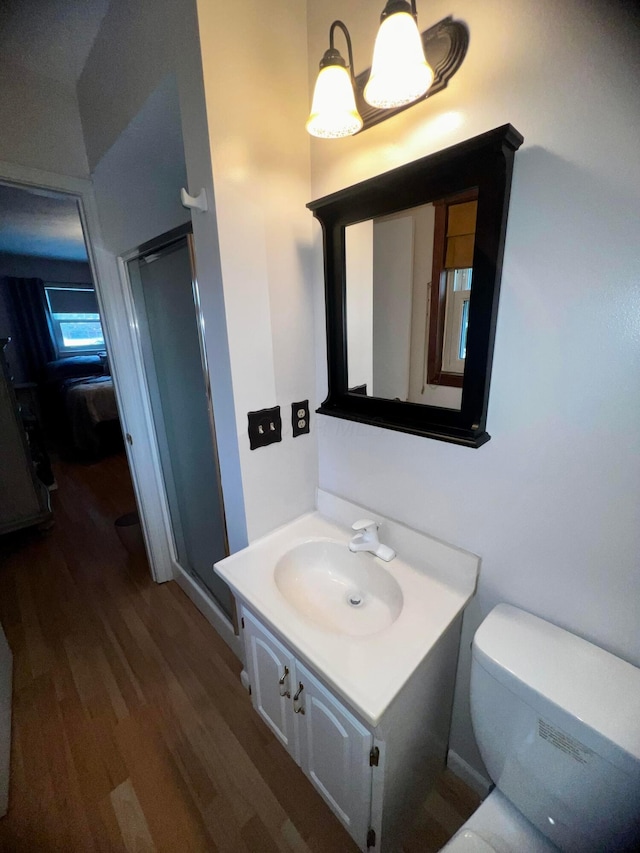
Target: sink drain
(355, 599)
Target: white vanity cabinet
(335, 753)
(271, 670)
(325, 739)
(373, 777)
(360, 697)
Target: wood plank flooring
(131, 731)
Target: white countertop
(368, 672)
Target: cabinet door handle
(284, 691)
(298, 709)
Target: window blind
(461, 233)
(72, 300)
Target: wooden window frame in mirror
(438, 295)
(483, 164)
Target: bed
(82, 405)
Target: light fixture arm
(333, 56)
(340, 107)
(394, 6)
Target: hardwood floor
(131, 731)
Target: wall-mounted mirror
(412, 277)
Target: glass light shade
(399, 71)
(333, 109)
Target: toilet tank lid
(589, 683)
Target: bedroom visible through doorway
(60, 397)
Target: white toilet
(557, 721)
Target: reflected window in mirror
(451, 280)
(408, 285)
(456, 319)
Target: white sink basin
(300, 578)
(342, 592)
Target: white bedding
(97, 396)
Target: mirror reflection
(408, 283)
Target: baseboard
(463, 770)
(210, 610)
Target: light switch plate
(265, 427)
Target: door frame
(127, 370)
(141, 455)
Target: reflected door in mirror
(408, 282)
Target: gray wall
(40, 122)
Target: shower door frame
(159, 243)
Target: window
(453, 245)
(456, 319)
(74, 319)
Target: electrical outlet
(300, 417)
(265, 427)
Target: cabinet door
(334, 752)
(271, 672)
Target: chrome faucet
(366, 539)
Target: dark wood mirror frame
(484, 163)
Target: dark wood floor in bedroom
(131, 731)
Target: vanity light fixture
(400, 73)
(333, 109)
(407, 66)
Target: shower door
(170, 326)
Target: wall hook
(197, 202)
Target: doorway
(59, 394)
(166, 305)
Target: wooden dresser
(24, 500)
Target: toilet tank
(557, 721)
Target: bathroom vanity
(351, 661)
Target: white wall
(358, 250)
(254, 67)
(40, 122)
(551, 503)
(392, 296)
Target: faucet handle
(365, 524)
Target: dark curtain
(27, 299)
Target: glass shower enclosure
(167, 308)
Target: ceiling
(52, 38)
(40, 225)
